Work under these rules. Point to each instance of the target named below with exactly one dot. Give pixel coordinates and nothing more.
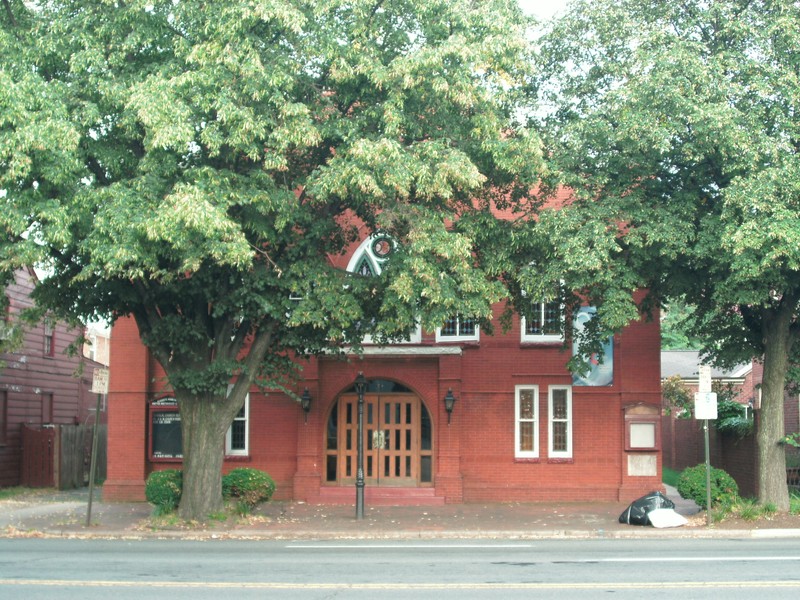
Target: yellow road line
(403, 586)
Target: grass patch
(670, 477)
(794, 504)
(19, 491)
(749, 510)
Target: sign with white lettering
(100, 381)
(704, 379)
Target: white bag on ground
(666, 517)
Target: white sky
(542, 9)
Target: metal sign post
(705, 408)
(99, 387)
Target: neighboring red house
(522, 428)
(39, 382)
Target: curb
(563, 534)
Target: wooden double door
(398, 448)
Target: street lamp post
(361, 385)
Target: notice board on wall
(165, 430)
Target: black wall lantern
(305, 402)
(449, 402)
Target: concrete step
(379, 496)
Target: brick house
(521, 428)
(683, 442)
(39, 382)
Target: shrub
(163, 490)
(732, 419)
(692, 485)
(248, 486)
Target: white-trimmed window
(237, 438)
(559, 409)
(49, 342)
(458, 329)
(545, 323)
(526, 421)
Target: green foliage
(163, 490)
(692, 485)
(677, 397)
(669, 476)
(676, 327)
(794, 507)
(248, 486)
(749, 510)
(686, 180)
(791, 439)
(732, 420)
(161, 158)
(732, 417)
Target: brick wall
(473, 455)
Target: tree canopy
(676, 125)
(197, 164)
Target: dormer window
(366, 267)
(369, 258)
(368, 261)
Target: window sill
(560, 461)
(533, 460)
(238, 458)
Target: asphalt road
(659, 568)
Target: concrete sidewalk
(63, 514)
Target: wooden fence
(60, 456)
(683, 446)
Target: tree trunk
(203, 430)
(772, 487)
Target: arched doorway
(398, 438)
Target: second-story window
(49, 338)
(544, 323)
(458, 329)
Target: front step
(377, 496)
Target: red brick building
(41, 385)
(521, 428)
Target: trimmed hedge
(248, 486)
(692, 485)
(163, 490)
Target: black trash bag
(636, 513)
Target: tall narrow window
(544, 323)
(237, 438)
(526, 417)
(560, 411)
(49, 338)
(458, 328)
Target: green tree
(676, 125)
(676, 327)
(197, 164)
